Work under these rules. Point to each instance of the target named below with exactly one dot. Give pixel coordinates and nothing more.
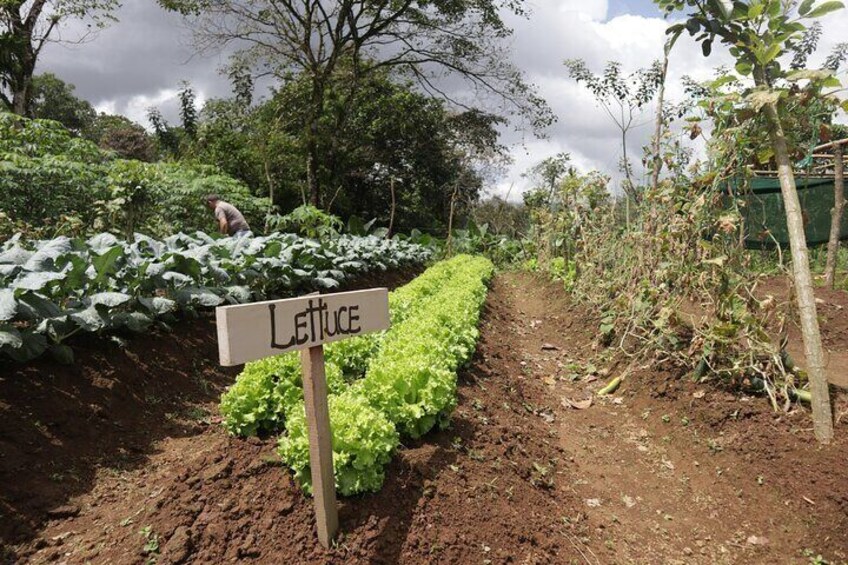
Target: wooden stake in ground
(264, 329)
(836, 214)
(320, 443)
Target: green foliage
(307, 221)
(25, 28)
(412, 379)
(54, 99)
(363, 443)
(409, 385)
(53, 289)
(49, 174)
(267, 392)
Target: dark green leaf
(8, 304)
(10, 337)
(63, 354)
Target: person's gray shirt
(235, 220)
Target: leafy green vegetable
(410, 385)
(55, 288)
(363, 443)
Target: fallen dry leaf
(699, 394)
(577, 404)
(758, 540)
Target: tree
(548, 174)
(130, 142)
(758, 33)
(424, 39)
(54, 99)
(622, 98)
(26, 26)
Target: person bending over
(230, 221)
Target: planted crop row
(51, 290)
(269, 388)
(409, 386)
(409, 382)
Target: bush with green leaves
(53, 183)
(307, 221)
(53, 289)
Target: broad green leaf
(8, 304)
(89, 319)
(825, 8)
(744, 68)
(805, 7)
(17, 255)
(62, 353)
(37, 281)
(198, 297)
(239, 294)
(100, 243)
(10, 337)
(33, 345)
(767, 55)
(158, 305)
(138, 322)
(325, 282)
(760, 98)
(33, 306)
(106, 264)
(110, 299)
(724, 7)
(809, 74)
(47, 254)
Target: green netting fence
(765, 216)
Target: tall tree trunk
(317, 108)
(449, 245)
(312, 168)
(630, 187)
(822, 415)
(394, 207)
(836, 215)
(658, 131)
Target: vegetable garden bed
(401, 382)
(52, 290)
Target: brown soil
(832, 307)
(662, 471)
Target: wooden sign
(252, 331)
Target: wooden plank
(253, 331)
(831, 144)
(320, 443)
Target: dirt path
(662, 472)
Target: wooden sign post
(252, 331)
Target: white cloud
(561, 30)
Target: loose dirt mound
(665, 471)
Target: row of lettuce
(53, 289)
(396, 384)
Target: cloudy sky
(140, 61)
